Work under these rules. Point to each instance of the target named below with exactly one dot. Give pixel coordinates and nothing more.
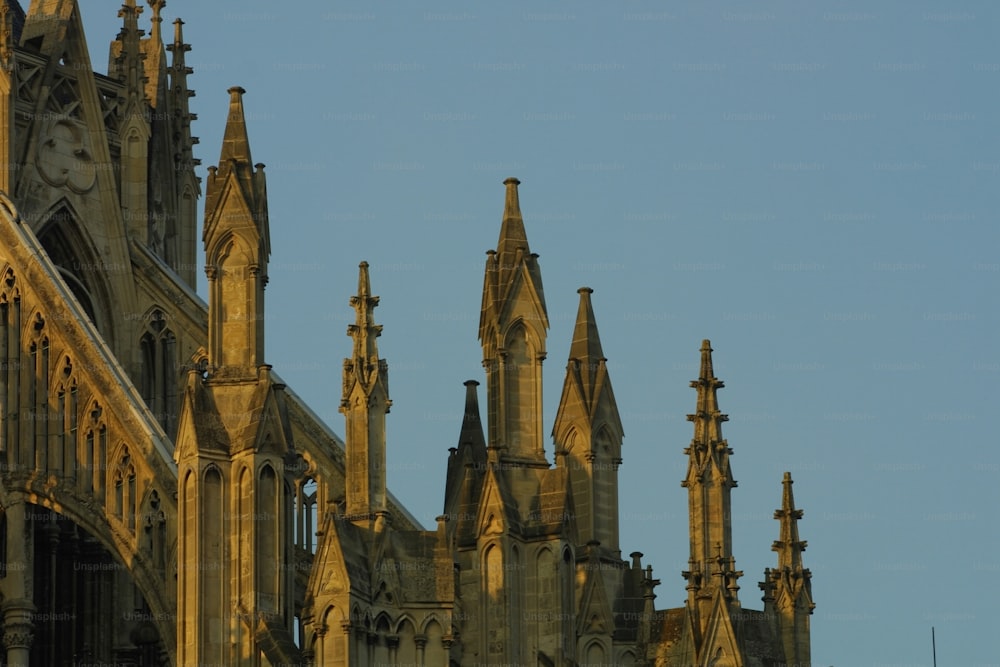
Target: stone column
(18, 631)
(392, 641)
(18, 608)
(421, 642)
(51, 532)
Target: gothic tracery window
(158, 348)
(124, 485)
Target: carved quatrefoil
(63, 157)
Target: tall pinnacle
(788, 546)
(588, 434)
(364, 404)
(129, 67)
(235, 142)
(156, 6)
(471, 434)
(707, 418)
(788, 588)
(708, 481)
(470, 452)
(364, 331)
(179, 94)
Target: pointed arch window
(305, 505)
(158, 352)
(62, 456)
(125, 489)
(10, 336)
(94, 455)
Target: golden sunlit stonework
(166, 500)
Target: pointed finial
(472, 425)
(706, 372)
(511, 207)
(513, 243)
(235, 142)
(707, 419)
(156, 6)
(364, 331)
(586, 341)
(788, 546)
(364, 282)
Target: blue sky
(812, 186)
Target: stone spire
(156, 6)
(237, 247)
(789, 546)
(134, 130)
(235, 163)
(126, 56)
(709, 481)
(365, 403)
(586, 345)
(512, 235)
(235, 143)
(471, 449)
(588, 433)
(471, 435)
(364, 331)
(188, 188)
(512, 329)
(155, 60)
(788, 588)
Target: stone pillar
(392, 641)
(421, 642)
(18, 608)
(348, 653)
(51, 532)
(18, 631)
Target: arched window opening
(124, 483)
(519, 394)
(159, 377)
(305, 509)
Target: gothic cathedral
(166, 500)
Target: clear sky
(812, 186)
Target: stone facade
(167, 500)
